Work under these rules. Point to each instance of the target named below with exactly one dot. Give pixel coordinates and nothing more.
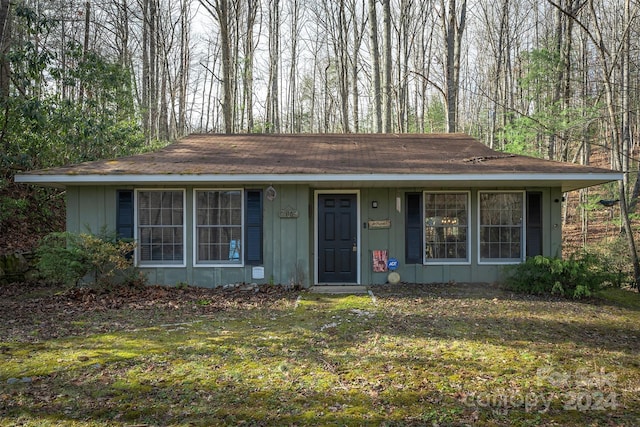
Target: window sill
(442, 262)
(222, 265)
(160, 265)
(501, 262)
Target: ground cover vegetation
(448, 354)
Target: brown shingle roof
(323, 154)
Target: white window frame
(197, 263)
(443, 261)
(523, 230)
(163, 264)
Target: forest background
(88, 80)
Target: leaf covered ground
(450, 354)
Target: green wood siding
(288, 243)
(392, 239)
(286, 240)
(90, 209)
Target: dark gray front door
(337, 238)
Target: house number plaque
(289, 212)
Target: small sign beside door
(379, 224)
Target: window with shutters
(227, 226)
(219, 227)
(501, 226)
(446, 227)
(160, 227)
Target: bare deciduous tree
(375, 62)
(220, 10)
(454, 19)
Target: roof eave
(567, 181)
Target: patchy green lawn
(450, 354)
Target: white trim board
(568, 181)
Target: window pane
(166, 216)
(143, 216)
(160, 225)
(177, 216)
(501, 221)
(446, 226)
(219, 226)
(155, 198)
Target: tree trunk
(153, 69)
(635, 194)
(5, 70)
(183, 72)
(85, 47)
(343, 67)
(293, 95)
(163, 114)
(401, 95)
(358, 33)
(273, 99)
(5, 44)
(122, 40)
(453, 30)
(586, 146)
(386, 22)
(626, 104)
(222, 8)
(146, 71)
(566, 88)
(493, 118)
(220, 11)
(375, 59)
(248, 64)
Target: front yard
(450, 354)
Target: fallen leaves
(33, 311)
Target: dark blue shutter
(413, 228)
(534, 224)
(253, 227)
(124, 214)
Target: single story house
(314, 209)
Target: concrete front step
(338, 289)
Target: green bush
(66, 258)
(60, 258)
(577, 277)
